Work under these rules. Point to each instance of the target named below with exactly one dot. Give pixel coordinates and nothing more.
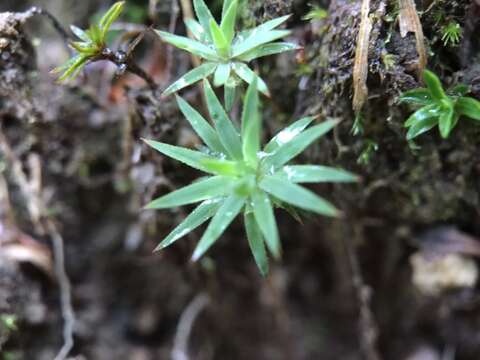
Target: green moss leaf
(204, 16)
(192, 46)
(268, 49)
(251, 125)
(201, 126)
(194, 159)
(229, 18)
(265, 217)
(193, 76)
(298, 144)
(297, 196)
(209, 188)
(222, 219)
(469, 107)
(288, 134)
(257, 246)
(434, 85)
(315, 174)
(196, 218)
(226, 130)
(419, 96)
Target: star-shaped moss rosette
(92, 44)
(225, 52)
(244, 178)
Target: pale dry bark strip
(360, 67)
(410, 22)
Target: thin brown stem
(124, 62)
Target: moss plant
(243, 177)
(224, 51)
(438, 108)
(92, 44)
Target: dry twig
(368, 326)
(185, 325)
(360, 68)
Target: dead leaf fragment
(21, 248)
(410, 22)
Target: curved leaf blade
(194, 159)
(248, 75)
(190, 45)
(257, 39)
(112, 14)
(204, 16)
(229, 18)
(251, 125)
(446, 122)
(469, 107)
(82, 35)
(419, 96)
(421, 126)
(434, 85)
(229, 94)
(201, 126)
(199, 73)
(209, 188)
(298, 196)
(197, 31)
(265, 217)
(219, 39)
(268, 49)
(426, 112)
(316, 174)
(223, 167)
(288, 134)
(226, 130)
(226, 6)
(257, 246)
(291, 149)
(222, 219)
(196, 218)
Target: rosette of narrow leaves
(91, 45)
(438, 108)
(243, 178)
(225, 52)
(451, 33)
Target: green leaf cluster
(243, 177)
(91, 45)
(224, 51)
(451, 33)
(438, 108)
